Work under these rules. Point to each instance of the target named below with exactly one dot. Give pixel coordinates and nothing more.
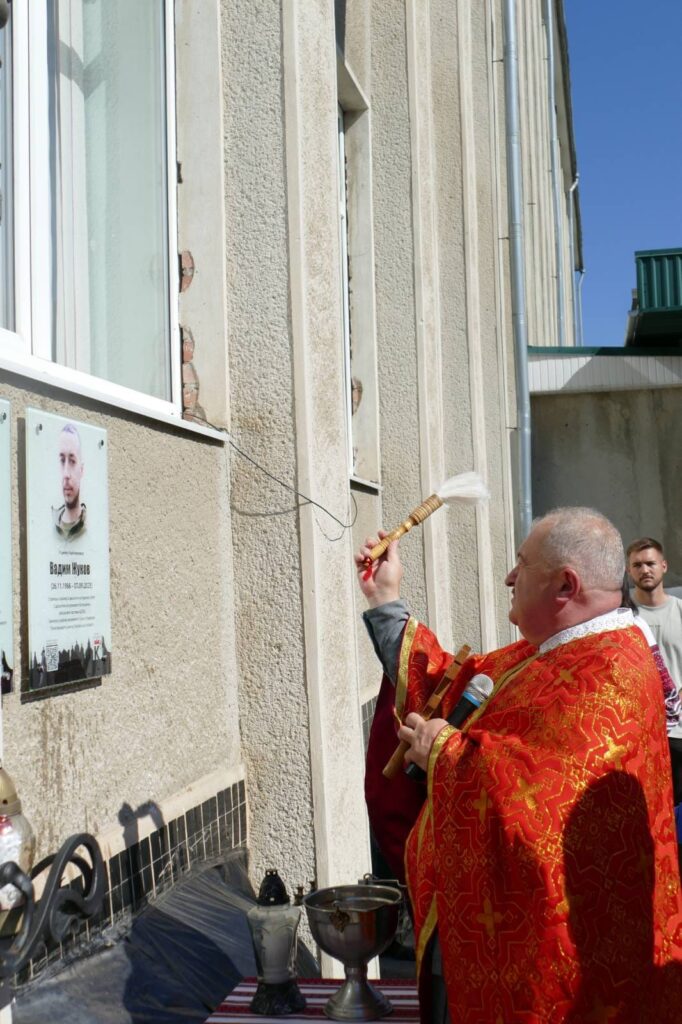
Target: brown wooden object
(416, 516)
(428, 711)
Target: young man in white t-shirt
(663, 614)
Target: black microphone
(477, 691)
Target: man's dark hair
(641, 544)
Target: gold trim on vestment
(423, 820)
(431, 921)
(425, 934)
(436, 747)
(420, 835)
(429, 926)
(499, 685)
(405, 651)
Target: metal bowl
(354, 923)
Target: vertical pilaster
(336, 759)
(502, 296)
(486, 582)
(427, 309)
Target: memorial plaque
(67, 503)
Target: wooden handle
(400, 531)
(416, 516)
(394, 765)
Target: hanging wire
(288, 487)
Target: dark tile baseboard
(152, 865)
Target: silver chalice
(354, 923)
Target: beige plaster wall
(272, 680)
(617, 451)
(167, 714)
(495, 392)
(453, 106)
(394, 283)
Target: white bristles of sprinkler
(467, 488)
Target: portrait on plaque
(67, 506)
(6, 574)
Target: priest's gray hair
(587, 541)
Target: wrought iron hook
(52, 916)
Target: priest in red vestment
(542, 862)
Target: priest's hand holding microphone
(478, 690)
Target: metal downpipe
(581, 336)
(557, 191)
(517, 265)
(575, 288)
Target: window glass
(109, 191)
(357, 283)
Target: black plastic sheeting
(180, 958)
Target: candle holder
(274, 924)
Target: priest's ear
(570, 585)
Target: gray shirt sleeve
(386, 625)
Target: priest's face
(533, 586)
(647, 569)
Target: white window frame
(26, 349)
(357, 255)
(345, 286)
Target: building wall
(267, 581)
(235, 607)
(299, 700)
(616, 451)
(445, 392)
(546, 197)
(159, 737)
(150, 729)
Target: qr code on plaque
(52, 657)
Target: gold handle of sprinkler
(416, 516)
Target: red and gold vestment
(545, 853)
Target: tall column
(472, 263)
(309, 62)
(427, 310)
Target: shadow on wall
(340, 19)
(141, 858)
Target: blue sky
(627, 118)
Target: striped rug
(235, 1008)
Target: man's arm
(380, 582)
(386, 625)
(387, 615)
